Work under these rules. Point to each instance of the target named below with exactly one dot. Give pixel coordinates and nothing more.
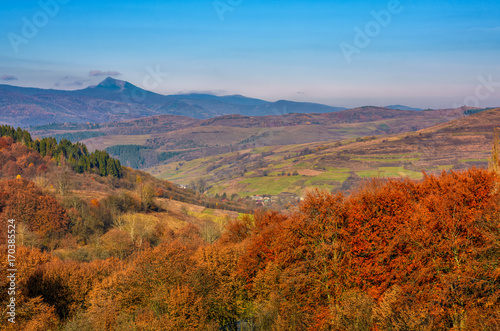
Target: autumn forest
(393, 254)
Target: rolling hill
(184, 138)
(331, 165)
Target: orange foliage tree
(26, 203)
(65, 285)
(32, 313)
(143, 288)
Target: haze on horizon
(417, 53)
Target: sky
(419, 53)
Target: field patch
(309, 172)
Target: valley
(294, 153)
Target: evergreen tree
(43, 147)
(111, 169)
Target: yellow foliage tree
(494, 163)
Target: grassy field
(389, 172)
(284, 169)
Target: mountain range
(114, 100)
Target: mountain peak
(111, 83)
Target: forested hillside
(393, 255)
(76, 155)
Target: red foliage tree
(17, 159)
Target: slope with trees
(395, 254)
(76, 155)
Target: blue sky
(424, 54)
